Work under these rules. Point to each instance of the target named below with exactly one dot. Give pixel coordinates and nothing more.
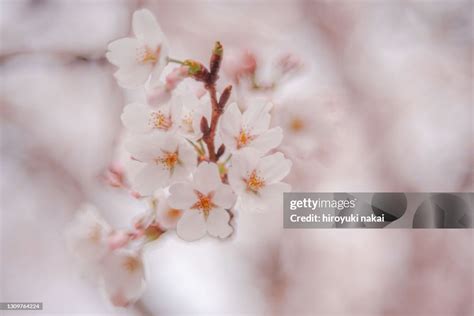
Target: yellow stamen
(159, 121)
(169, 160)
(131, 264)
(95, 233)
(174, 213)
(254, 182)
(204, 203)
(188, 123)
(146, 55)
(244, 138)
(296, 124)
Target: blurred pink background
(386, 98)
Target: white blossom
(205, 200)
(87, 234)
(257, 180)
(142, 119)
(249, 129)
(119, 271)
(123, 277)
(193, 109)
(140, 56)
(165, 158)
(166, 216)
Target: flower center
(131, 264)
(169, 160)
(95, 234)
(254, 182)
(159, 121)
(188, 123)
(204, 203)
(146, 55)
(173, 213)
(297, 124)
(244, 138)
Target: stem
(216, 113)
(176, 61)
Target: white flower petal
(145, 147)
(122, 52)
(231, 121)
(167, 216)
(257, 116)
(182, 196)
(187, 156)
(272, 196)
(86, 235)
(267, 140)
(179, 173)
(136, 117)
(132, 77)
(206, 178)
(243, 163)
(170, 142)
(218, 223)
(252, 202)
(191, 226)
(123, 277)
(150, 178)
(274, 168)
(146, 28)
(224, 197)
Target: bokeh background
(385, 97)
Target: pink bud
(119, 300)
(117, 239)
(240, 65)
(114, 176)
(135, 194)
(158, 95)
(176, 76)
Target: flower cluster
(201, 158)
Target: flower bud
(224, 98)
(153, 232)
(117, 239)
(196, 70)
(243, 64)
(158, 95)
(204, 126)
(176, 76)
(216, 60)
(220, 151)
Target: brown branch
(216, 113)
(209, 129)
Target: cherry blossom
(193, 109)
(194, 159)
(140, 56)
(166, 216)
(123, 277)
(141, 118)
(165, 158)
(118, 270)
(249, 129)
(205, 200)
(257, 180)
(87, 235)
